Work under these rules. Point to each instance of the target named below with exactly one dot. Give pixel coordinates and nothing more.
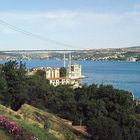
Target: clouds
(80, 27)
(137, 6)
(69, 17)
(61, 17)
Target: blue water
(122, 75)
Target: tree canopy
(109, 113)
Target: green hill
(4, 135)
(33, 121)
(30, 127)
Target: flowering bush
(32, 138)
(12, 128)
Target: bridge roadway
(32, 51)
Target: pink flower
(12, 127)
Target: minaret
(70, 59)
(64, 60)
(69, 65)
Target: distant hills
(135, 47)
(2, 52)
(104, 54)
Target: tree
(40, 74)
(63, 72)
(103, 128)
(38, 88)
(3, 89)
(14, 74)
(137, 109)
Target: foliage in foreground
(20, 128)
(11, 127)
(22, 131)
(4, 135)
(109, 113)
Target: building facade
(59, 81)
(72, 78)
(74, 71)
(52, 73)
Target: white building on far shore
(132, 59)
(73, 75)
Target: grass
(4, 135)
(33, 129)
(36, 131)
(29, 126)
(57, 127)
(32, 121)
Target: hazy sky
(80, 23)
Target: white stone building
(52, 72)
(74, 71)
(59, 81)
(73, 75)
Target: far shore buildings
(132, 59)
(73, 75)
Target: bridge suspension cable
(27, 33)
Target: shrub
(17, 116)
(69, 135)
(47, 124)
(11, 127)
(15, 130)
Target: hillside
(4, 135)
(30, 127)
(59, 126)
(135, 47)
(88, 54)
(33, 120)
